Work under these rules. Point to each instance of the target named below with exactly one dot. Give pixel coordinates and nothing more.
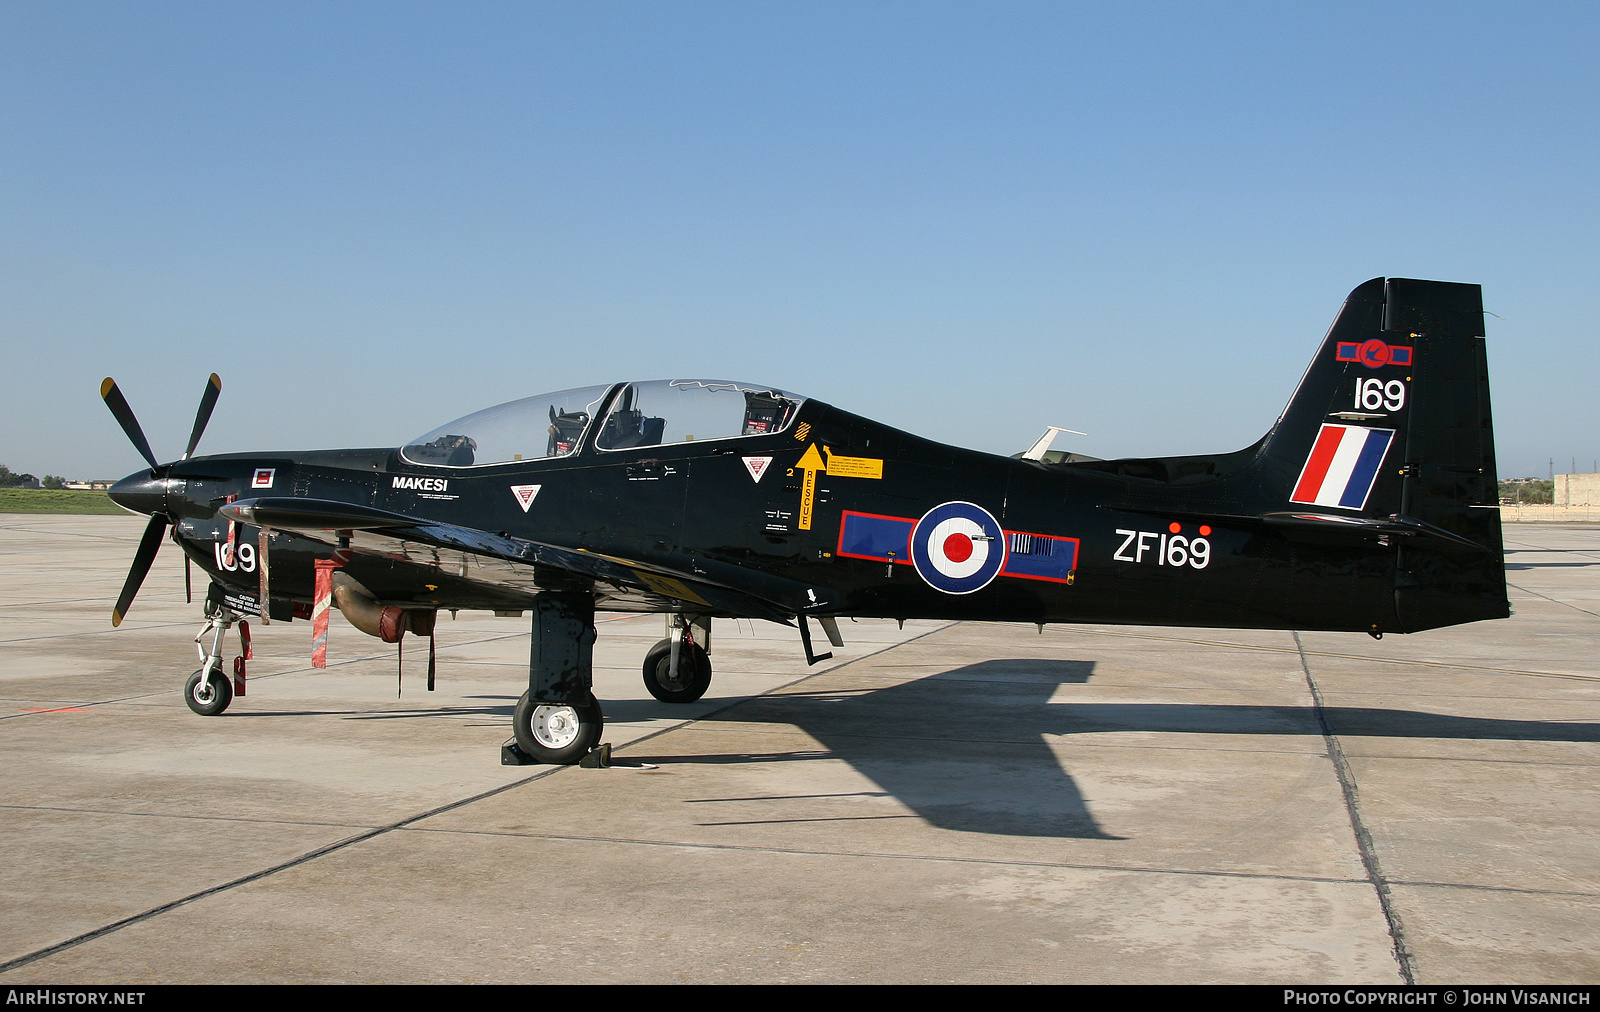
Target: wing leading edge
(529, 566)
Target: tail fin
(1390, 432)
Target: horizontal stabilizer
(1325, 525)
(1397, 524)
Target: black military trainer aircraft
(1370, 506)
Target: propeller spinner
(147, 491)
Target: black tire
(209, 699)
(557, 733)
(694, 672)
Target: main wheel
(209, 696)
(694, 672)
(557, 733)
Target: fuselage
(1017, 540)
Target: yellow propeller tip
(116, 618)
(107, 385)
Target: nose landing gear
(208, 691)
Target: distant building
(1577, 490)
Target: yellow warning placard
(854, 467)
(842, 467)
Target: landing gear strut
(558, 720)
(208, 691)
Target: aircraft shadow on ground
(966, 748)
(962, 748)
(500, 710)
(1548, 565)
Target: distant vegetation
(1528, 490)
(36, 500)
(11, 479)
(17, 495)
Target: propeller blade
(124, 415)
(148, 545)
(208, 400)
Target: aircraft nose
(142, 492)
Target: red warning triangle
(525, 494)
(757, 466)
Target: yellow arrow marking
(844, 467)
(810, 463)
(811, 460)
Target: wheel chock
(598, 758)
(510, 755)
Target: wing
(528, 567)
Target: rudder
(1449, 474)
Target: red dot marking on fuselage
(1205, 532)
(958, 548)
(1174, 528)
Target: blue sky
(968, 220)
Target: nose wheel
(208, 692)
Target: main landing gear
(557, 733)
(558, 720)
(678, 669)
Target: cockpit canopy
(656, 413)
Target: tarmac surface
(962, 802)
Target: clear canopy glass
(545, 425)
(685, 410)
(642, 414)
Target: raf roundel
(958, 547)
